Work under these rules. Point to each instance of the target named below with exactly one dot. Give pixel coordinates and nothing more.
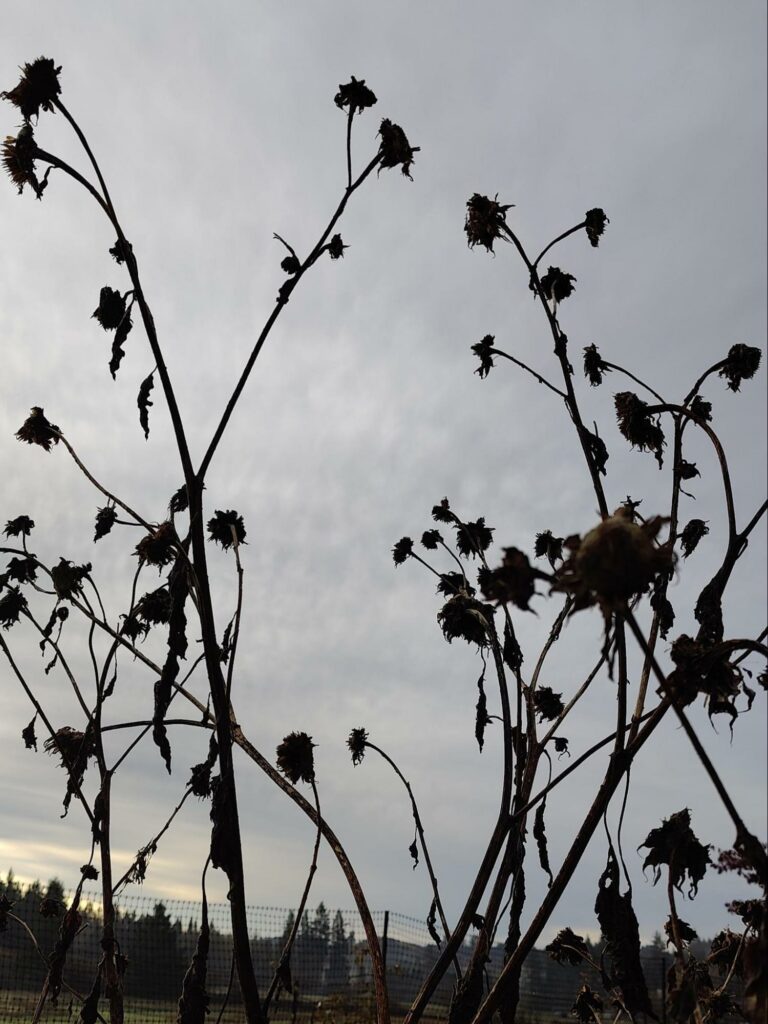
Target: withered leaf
(431, 921)
(675, 845)
(481, 711)
(105, 520)
(413, 849)
(122, 332)
(28, 735)
(540, 835)
(144, 402)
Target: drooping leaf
(481, 711)
(144, 402)
(177, 649)
(28, 735)
(413, 849)
(617, 920)
(431, 922)
(540, 835)
(121, 334)
(105, 520)
(674, 844)
(193, 1002)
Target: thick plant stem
(218, 688)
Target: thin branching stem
(533, 373)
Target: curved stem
(423, 841)
(533, 373)
(285, 956)
(565, 234)
(620, 369)
(92, 479)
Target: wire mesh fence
(330, 965)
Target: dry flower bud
(226, 528)
(482, 350)
(402, 550)
(594, 223)
(355, 96)
(556, 284)
(594, 367)
(742, 363)
(158, 547)
(356, 743)
(638, 426)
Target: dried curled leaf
(28, 735)
(549, 705)
(121, 334)
(549, 546)
(144, 402)
(481, 711)
(692, 533)
(431, 922)
(12, 604)
(622, 939)
(68, 578)
(20, 526)
(594, 367)
(193, 1002)
(178, 590)
(540, 835)
(588, 1005)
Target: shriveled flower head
(472, 538)
(21, 525)
(395, 148)
(430, 539)
(442, 513)
(70, 744)
(638, 426)
(12, 604)
(67, 578)
(483, 351)
(594, 223)
(454, 583)
(742, 363)
(226, 528)
(614, 562)
(556, 284)
(295, 758)
(37, 89)
(355, 96)
(336, 247)
(702, 408)
(485, 220)
(402, 550)
(549, 705)
(22, 570)
(549, 546)
(512, 582)
(594, 367)
(356, 743)
(674, 844)
(154, 607)
(37, 430)
(19, 160)
(111, 308)
(121, 250)
(290, 264)
(158, 547)
(568, 948)
(464, 617)
(692, 533)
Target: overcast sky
(215, 127)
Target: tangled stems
(751, 846)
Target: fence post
(384, 939)
(663, 964)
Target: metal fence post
(384, 939)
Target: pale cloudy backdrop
(215, 127)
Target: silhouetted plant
(611, 567)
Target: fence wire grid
(330, 965)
